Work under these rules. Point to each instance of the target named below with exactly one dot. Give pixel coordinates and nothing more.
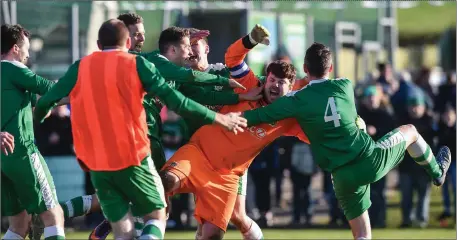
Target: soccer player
(106, 91)
(325, 109)
(7, 143)
(211, 164)
(199, 61)
(27, 185)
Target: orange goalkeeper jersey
(234, 153)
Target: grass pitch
(313, 234)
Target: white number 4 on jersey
(335, 117)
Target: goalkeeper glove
(361, 124)
(259, 34)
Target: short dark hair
(318, 59)
(113, 33)
(194, 30)
(282, 69)
(130, 18)
(171, 36)
(12, 34)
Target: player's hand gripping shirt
(230, 152)
(19, 88)
(326, 112)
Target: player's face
(137, 34)
(276, 87)
(21, 51)
(373, 101)
(416, 111)
(183, 52)
(199, 51)
(449, 117)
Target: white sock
(254, 233)
(417, 148)
(53, 231)
(153, 229)
(87, 203)
(11, 235)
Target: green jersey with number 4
(326, 112)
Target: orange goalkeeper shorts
(215, 191)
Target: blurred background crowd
(402, 66)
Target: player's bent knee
(169, 180)
(410, 133)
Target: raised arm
(61, 89)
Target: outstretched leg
(352, 182)
(422, 154)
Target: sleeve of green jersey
(154, 83)
(26, 79)
(173, 72)
(206, 96)
(60, 90)
(284, 107)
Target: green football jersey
(18, 88)
(326, 112)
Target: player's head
(113, 34)
(372, 97)
(134, 23)
(318, 61)
(200, 50)
(15, 43)
(280, 80)
(416, 105)
(174, 44)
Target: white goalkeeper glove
(360, 124)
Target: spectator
(337, 217)
(379, 122)
(446, 137)
(446, 93)
(262, 171)
(301, 171)
(413, 178)
(386, 79)
(284, 156)
(53, 136)
(423, 81)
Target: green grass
(315, 234)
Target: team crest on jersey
(257, 131)
(218, 88)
